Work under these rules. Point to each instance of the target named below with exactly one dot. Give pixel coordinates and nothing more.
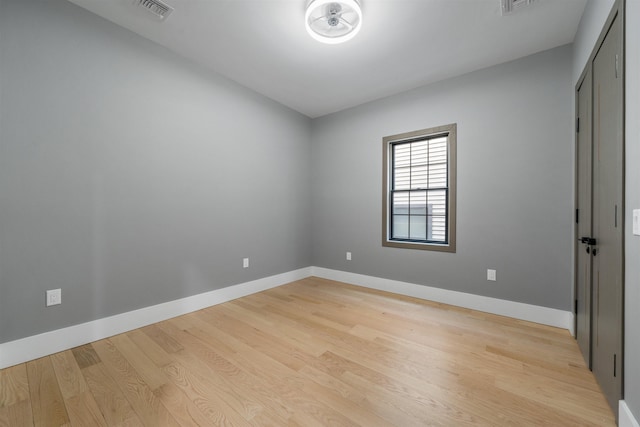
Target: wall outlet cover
(245, 263)
(54, 297)
(348, 256)
(636, 222)
(491, 275)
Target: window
(419, 191)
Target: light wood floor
(314, 353)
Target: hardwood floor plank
(144, 366)
(358, 414)
(149, 409)
(68, 373)
(83, 411)
(46, 398)
(314, 353)
(273, 383)
(113, 405)
(149, 347)
(273, 345)
(185, 410)
(17, 414)
(415, 399)
(228, 381)
(14, 385)
(203, 394)
(397, 411)
(333, 383)
(567, 401)
(85, 356)
(289, 330)
(167, 343)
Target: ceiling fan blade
(347, 23)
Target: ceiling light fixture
(333, 21)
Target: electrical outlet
(636, 222)
(491, 275)
(54, 297)
(245, 263)
(348, 256)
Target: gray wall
(515, 182)
(131, 177)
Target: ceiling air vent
(159, 9)
(510, 6)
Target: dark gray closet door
(608, 196)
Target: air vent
(510, 6)
(159, 9)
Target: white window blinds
(419, 190)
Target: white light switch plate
(491, 275)
(636, 222)
(245, 262)
(348, 256)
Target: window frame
(450, 131)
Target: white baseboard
(625, 417)
(33, 347)
(517, 310)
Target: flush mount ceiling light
(333, 21)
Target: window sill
(420, 246)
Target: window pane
(437, 200)
(419, 152)
(402, 179)
(419, 176)
(438, 228)
(438, 150)
(400, 203)
(400, 227)
(418, 205)
(438, 175)
(418, 227)
(401, 155)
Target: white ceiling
(403, 44)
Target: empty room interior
(319, 212)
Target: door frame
(617, 11)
